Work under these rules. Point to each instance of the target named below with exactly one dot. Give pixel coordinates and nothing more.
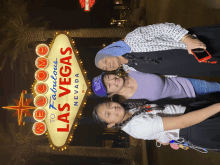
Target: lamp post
(118, 22)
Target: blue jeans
(203, 87)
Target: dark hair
(141, 110)
(126, 106)
(96, 117)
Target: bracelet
(157, 144)
(186, 36)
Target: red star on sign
(22, 107)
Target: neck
(129, 88)
(122, 60)
(125, 87)
(122, 91)
(127, 115)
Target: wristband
(184, 37)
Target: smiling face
(109, 63)
(111, 112)
(113, 83)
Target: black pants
(205, 134)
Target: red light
(40, 101)
(41, 62)
(39, 114)
(85, 2)
(41, 88)
(39, 128)
(41, 75)
(42, 50)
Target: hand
(165, 144)
(193, 43)
(127, 71)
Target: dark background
(61, 15)
(68, 14)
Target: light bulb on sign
(42, 50)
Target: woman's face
(111, 112)
(113, 83)
(109, 63)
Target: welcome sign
(60, 89)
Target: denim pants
(203, 87)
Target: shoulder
(137, 73)
(142, 75)
(143, 126)
(135, 126)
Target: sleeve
(147, 127)
(166, 30)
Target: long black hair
(127, 106)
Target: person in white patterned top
(164, 123)
(168, 45)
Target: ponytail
(140, 110)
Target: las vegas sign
(60, 90)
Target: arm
(170, 30)
(165, 144)
(165, 31)
(190, 118)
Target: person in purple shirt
(138, 85)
